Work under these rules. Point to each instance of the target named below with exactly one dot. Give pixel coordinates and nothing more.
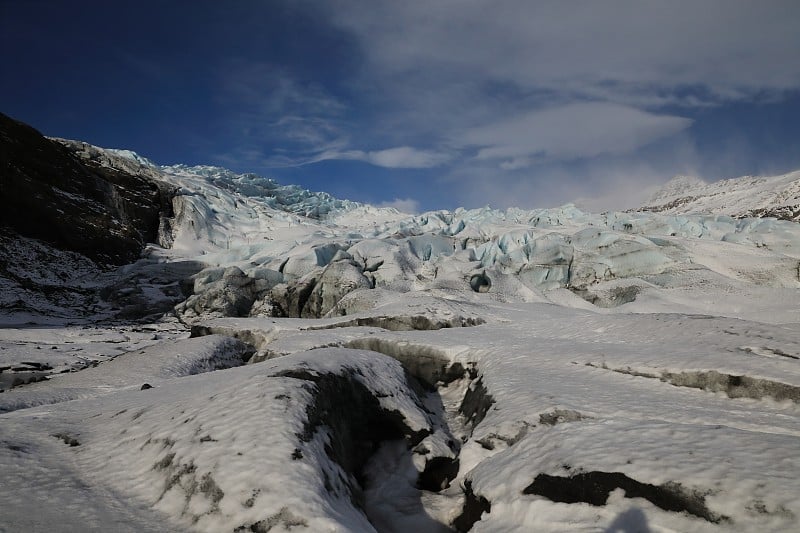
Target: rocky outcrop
(49, 192)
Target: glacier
(279, 359)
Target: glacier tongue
(482, 369)
(223, 219)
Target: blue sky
(424, 104)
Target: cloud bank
(569, 132)
(515, 92)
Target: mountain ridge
(746, 196)
(775, 196)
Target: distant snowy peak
(774, 196)
(677, 186)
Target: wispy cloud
(398, 157)
(274, 119)
(284, 123)
(725, 49)
(570, 132)
(404, 205)
(610, 184)
(273, 90)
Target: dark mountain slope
(48, 193)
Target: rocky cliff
(49, 191)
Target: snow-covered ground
(339, 367)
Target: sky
(419, 104)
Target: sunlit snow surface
(659, 349)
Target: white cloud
(404, 205)
(508, 87)
(570, 132)
(614, 184)
(398, 157)
(729, 49)
(501, 93)
(405, 157)
(515, 163)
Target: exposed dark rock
(594, 487)
(785, 212)
(474, 507)
(438, 473)
(405, 323)
(68, 213)
(48, 193)
(559, 416)
(476, 403)
(429, 365)
(212, 491)
(355, 421)
(283, 518)
(37, 278)
(677, 202)
(68, 439)
(735, 386)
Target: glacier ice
(407, 371)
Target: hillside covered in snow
(274, 359)
(748, 196)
